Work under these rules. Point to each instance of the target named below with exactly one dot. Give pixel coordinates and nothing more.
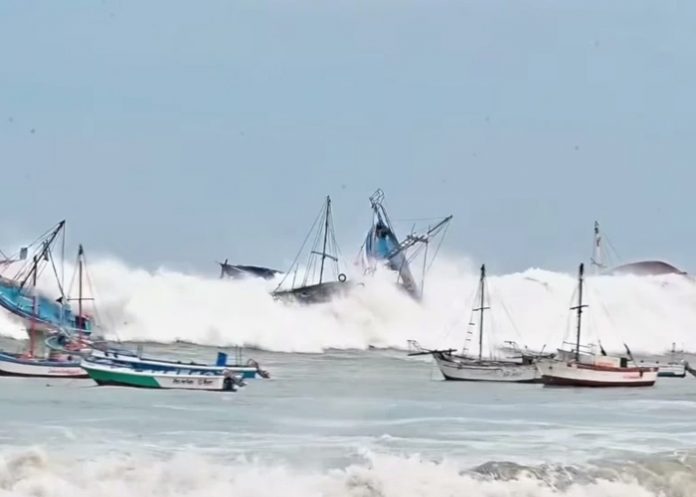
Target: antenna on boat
(578, 308)
(482, 307)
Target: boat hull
(490, 371)
(127, 359)
(13, 365)
(672, 371)
(560, 373)
(104, 374)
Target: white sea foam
(34, 472)
(647, 312)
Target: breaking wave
(34, 472)
(531, 307)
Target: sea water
(370, 423)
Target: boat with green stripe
(108, 373)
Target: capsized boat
(582, 366)
(465, 367)
(105, 372)
(382, 246)
(322, 279)
(241, 271)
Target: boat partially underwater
(382, 246)
(241, 271)
(320, 279)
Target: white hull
(469, 370)
(572, 373)
(14, 366)
(672, 370)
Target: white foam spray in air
(530, 307)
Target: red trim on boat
(569, 382)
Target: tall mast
(482, 307)
(35, 309)
(578, 308)
(597, 261)
(79, 284)
(327, 217)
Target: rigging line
(299, 253)
(439, 245)
(55, 273)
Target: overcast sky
(179, 133)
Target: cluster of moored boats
(62, 343)
(576, 364)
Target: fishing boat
(105, 372)
(382, 246)
(582, 366)
(464, 367)
(674, 368)
(15, 294)
(25, 302)
(322, 279)
(126, 358)
(241, 271)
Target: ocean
(345, 423)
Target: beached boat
(322, 279)
(105, 372)
(465, 367)
(581, 366)
(382, 246)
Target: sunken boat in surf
(240, 271)
(580, 365)
(463, 366)
(383, 247)
(41, 315)
(321, 278)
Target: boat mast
(578, 308)
(80, 320)
(327, 217)
(482, 307)
(597, 262)
(35, 308)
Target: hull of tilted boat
(503, 373)
(560, 373)
(12, 365)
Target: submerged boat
(581, 366)
(638, 268)
(105, 372)
(240, 271)
(322, 279)
(464, 367)
(382, 246)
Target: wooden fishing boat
(382, 246)
(34, 367)
(581, 366)
(465, 367)
(105, 372)
(322, 279)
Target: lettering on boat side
(189, 381)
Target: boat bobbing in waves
(29, 366)
(321, 279)
(581, 366)
(382, 246)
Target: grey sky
(183, 132)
